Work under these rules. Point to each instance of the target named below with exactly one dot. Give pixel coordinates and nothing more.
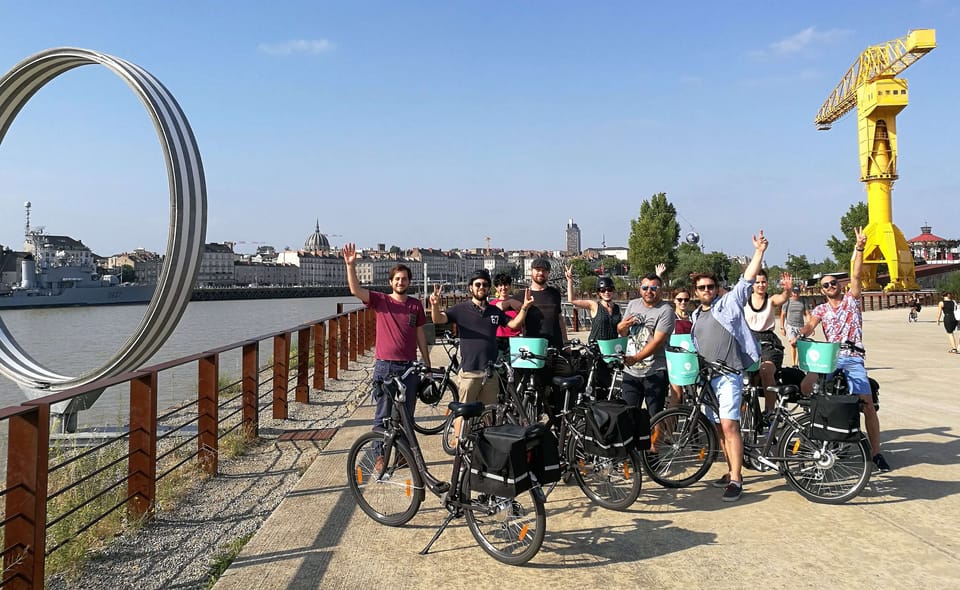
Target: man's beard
(540, 281)
(401, 290)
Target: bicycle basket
(429, 390)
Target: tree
(395, 249)
(799, 266)
(653, 236)
(691, 260)
(842, 247)
(581, 268)
(127, 274)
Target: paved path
(903, 528)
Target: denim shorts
(856, 373)
(729, 390)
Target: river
(76, 339)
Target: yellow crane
(872, 87)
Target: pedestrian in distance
(400, 320)
(948, 313)
(720, 333)
(793, 315)
(842, 321)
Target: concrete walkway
(903, 528)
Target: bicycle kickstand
(439, 532)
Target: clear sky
(440, 123)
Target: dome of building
(317, 241)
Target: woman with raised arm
(604, 313)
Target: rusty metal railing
(129, 479)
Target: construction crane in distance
(871, 86)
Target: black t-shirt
(543, 318)
(478, 333)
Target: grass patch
(223, 559)
(229, 386)
(236, 443)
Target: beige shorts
(473, 388)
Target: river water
(76, 339)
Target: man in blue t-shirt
(477, 322)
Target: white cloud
(297, 47)
(806, 40)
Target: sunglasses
(682, 299)
(828, 284)
(653, 288)
(605, 290)
(482, 284)
(706, 287)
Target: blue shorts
(856, 373)
(729, 390)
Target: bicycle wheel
(830, 473)
(493, 415)
(509, 529)
(393, 497)
(611, 483)
(429, 418)
(686, 448)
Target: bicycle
(387, 475)
(823, 471)
(613, 479)
(437, 389)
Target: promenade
(902, 529)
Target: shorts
(949, 323)
(856, 373)
(793, 332)
(771, 348)
(472, 387)
(729, 390)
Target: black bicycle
(386, 473)
(437, 389)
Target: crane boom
(885, 60)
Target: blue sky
(440, 123)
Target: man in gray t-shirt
(648, 323)
(793, 315)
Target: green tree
(691, 260)
(842, 247)
(581, 268)
(612, 266)
(653, 236)
(799, 266)
(826, 267)
(127, 274)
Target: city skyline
(389, 121)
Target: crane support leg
(885, 244)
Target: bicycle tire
(611, 483)
(430, 418)
(394, 498)
(502, 526)
(493, 415)
(686, 448)
(833, 477)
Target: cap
(540, 262)
(795, 289)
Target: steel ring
(188, 214)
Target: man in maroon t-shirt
(400, 321)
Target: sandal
(954, 350)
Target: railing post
(24, 534)
(319, 358)
(281, 374)
(354, 334)
(142, 464)
(251, 389)
(332, 349)
(575, 321)
(344, 343)
(302, 394)
(208, 395)
(362, 329)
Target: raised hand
(786, 281)
(349, 253)
(760, 242)
(861, 237)
(435, 296)
(568, 271)
(527, 299)
(660, 269)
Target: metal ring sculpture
(188, 212)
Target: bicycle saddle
(574, 383)
(466, 410)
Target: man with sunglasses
(842, 322)
(721, 333)
(648, 323)
(477, 322)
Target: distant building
(932, 248)
(216, 266)
(573, 239)
(315, 268)
(316, 242)
(146, 265)
(265, 273)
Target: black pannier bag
(835, 418)
(505, 458)
(614, 428)
(544, 458)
